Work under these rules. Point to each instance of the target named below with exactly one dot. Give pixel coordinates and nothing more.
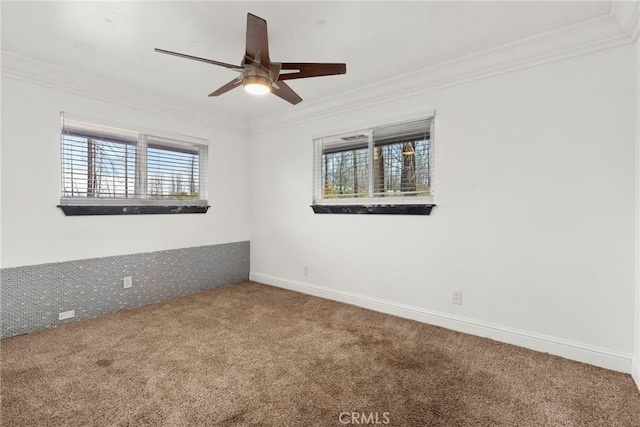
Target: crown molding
(29, 70)
(604, 32)
(627, 15)
(619, 27)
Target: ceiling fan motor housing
(256, 76)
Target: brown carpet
(250, 354)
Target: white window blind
(402, 159)
(109, 165)
(390, 164)
(172, 172)
(345, 167)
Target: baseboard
(635, 370)
(580, 352)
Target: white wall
(35, 231)
(535, 217)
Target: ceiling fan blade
(310, 69)
(285, 92)
(196, 58)
(257, 40)
(226, 88)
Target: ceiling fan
(258, 74)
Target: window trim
(140, 203)
(132, 201)
(418, 205)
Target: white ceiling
(377, 40)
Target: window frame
(141, 203)
(372, 204)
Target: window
(107, 170)
(385, 169)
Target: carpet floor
(254, 355)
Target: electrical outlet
(66, 315)
(128, 282)
(456, 297)
(305, 270)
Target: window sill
(399, 209)
(73, 210)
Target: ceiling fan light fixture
(257, 85)
(258, 75)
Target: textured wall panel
(32, 296)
